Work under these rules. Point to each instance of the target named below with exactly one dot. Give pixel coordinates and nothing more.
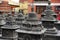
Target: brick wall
(55, 1)
(4, 6)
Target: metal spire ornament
(48, 22)
(8, 30)
(49, 19)
(20, 18)
(2, 21)
(32, 28)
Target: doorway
(39, 10)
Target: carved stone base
(24, 36)
(50, 38)
(9, 34)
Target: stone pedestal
(52, 36)
(57, 25)
(0, 30)
(48, 24)
(4, 39)
(8, 32)
(29, 35)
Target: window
(41, 0)
(57, 7)
(0, 1)
(40, 9)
